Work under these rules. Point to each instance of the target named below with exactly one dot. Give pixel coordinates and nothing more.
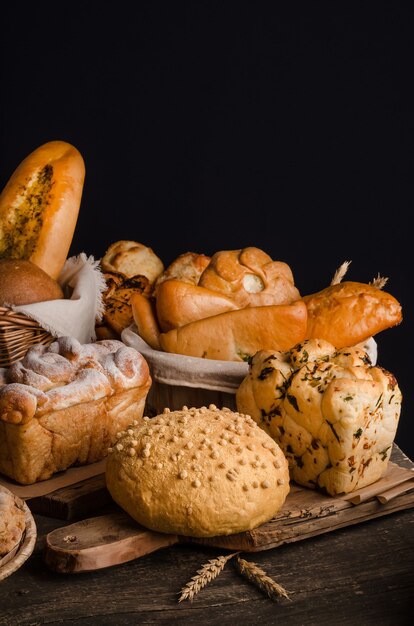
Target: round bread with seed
(198, 472)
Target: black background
(207, 126)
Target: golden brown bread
(187, 267)
(117, 302)
(237, 335)
(179, 303)
(198, 472)
(23, 282)
(39, 206)
(348, 313)
(145, 320)
(63, 405)
(132, 258)
(250, 277)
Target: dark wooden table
(361, 574)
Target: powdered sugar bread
(198, 472)
(62, 405)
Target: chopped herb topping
(358, 433)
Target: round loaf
(198, 472)
(23, 282)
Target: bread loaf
(198, 472)
(63, 405)
(132, 258)
(23, 282)
(333, 414)
(238, 335)
(348, 313)
(39, 206)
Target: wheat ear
(340, 272)
(207, 573)
(259, 577)
(379, 281)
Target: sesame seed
(212, 407)
(196, 455)
(130, 431)
(222, 442)
(263, 466)
(146, 453)
(239, 449)
(183, 474)
(257, 457)
(189, 445)
(110, 450)
(234, 440)
(173, 457)
(119, 446)
(250, 446)
(159, 466)
(276, 464)
(222, 465)
(274, 451)
(214, 454)
(245, 488)
(175, 438)
(166, 410)
(119, 435)
(265, 484)
(189, 510)
(135, 422)
(230, 476)
(255, 464)
(242, 461)
(280, 481)
(132, 452)
(134, 442)
(147, 446)
(146, 418)
(150, 431)
(255, 484)
(196, 483)
(185, 408)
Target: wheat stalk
(340, 272)
(259, 577)
(379, 281)
(207, 573)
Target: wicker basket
(17, 334)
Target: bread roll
(348, 313)
(132, 258)
(198, 472)
(39, 206)
(250, 278)
(12, 521)
(23, 282)
(237, 335)
(145, 320)
(179, 303)
(187, 267)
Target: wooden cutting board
(115, 538)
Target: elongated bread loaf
(237, 335)
(39, 206)
(348, 313)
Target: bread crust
(39, 206)
(348, 313)
(145, 320)
(237, 335)
(198, 472)
(23, 282)
(179, 303)
(64, 404)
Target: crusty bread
(39, 206)
(179, 303)
(117, 302)
(237, 335)
(145, 320)
(250, 277)
(348, 313)
(63, 405)
(132, 258)
(198, 472)
(23, 282)
(333, 414)
(187, 267)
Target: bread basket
(179, 380)
(17, 334)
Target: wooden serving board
(115, 538)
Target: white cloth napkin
(75, 316)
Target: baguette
(237, 335)
(179, 303)
(145, 320)
(348, 313)
(39, 206)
